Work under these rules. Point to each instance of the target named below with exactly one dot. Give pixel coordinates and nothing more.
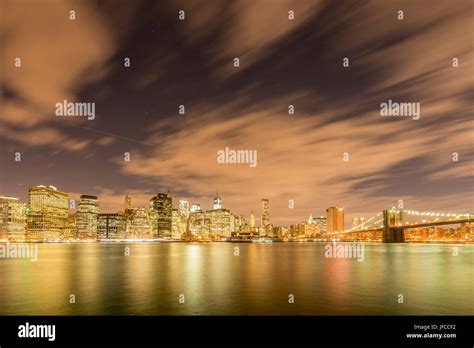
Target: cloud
(300, 157)
(58, 57)
(243, 29)
(297, 159)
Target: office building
(111, 226)
(217, 202)
(48, 213)
(163, 209)
(12, 219)
(335, 219)
(86, 217)
(138, 226)
(265, 219)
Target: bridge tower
(392, 233)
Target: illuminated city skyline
(50, 215)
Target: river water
(254, 279)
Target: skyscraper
(335, 219)
(217, 201)
(153, 217)
(163, 209)
(265, 213)
(48, 213)
(12, 218)
(183, 209)
(252, 222)
(86, 217)
(176, 225)
(127, 203)
(182, 219)
(139, 225)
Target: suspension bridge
(391, 225)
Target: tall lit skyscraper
(48, 213)
(182, 220)
(219, 222)
(12, 218)
(335, 219)
(252, 220)
(153, 217)
(265, 213)
(127, 203)
(177, 228)
(139, 225)
(163, 209)
(217, 201)
(86, 217)
(183, 208)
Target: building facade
(86, 217)
(12, 219)
(265, 219)
(335, 219)
(111, 226)
(48, 212)
(163, 208)
(138, 224)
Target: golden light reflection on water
(217, 282)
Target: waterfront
(258, 281)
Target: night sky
(282, 62)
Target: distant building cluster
(319, 226)
(47, 217)
(50, 215)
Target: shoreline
(230, 242)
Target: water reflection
(256, 282)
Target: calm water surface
(257, 282)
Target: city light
(48, 218)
